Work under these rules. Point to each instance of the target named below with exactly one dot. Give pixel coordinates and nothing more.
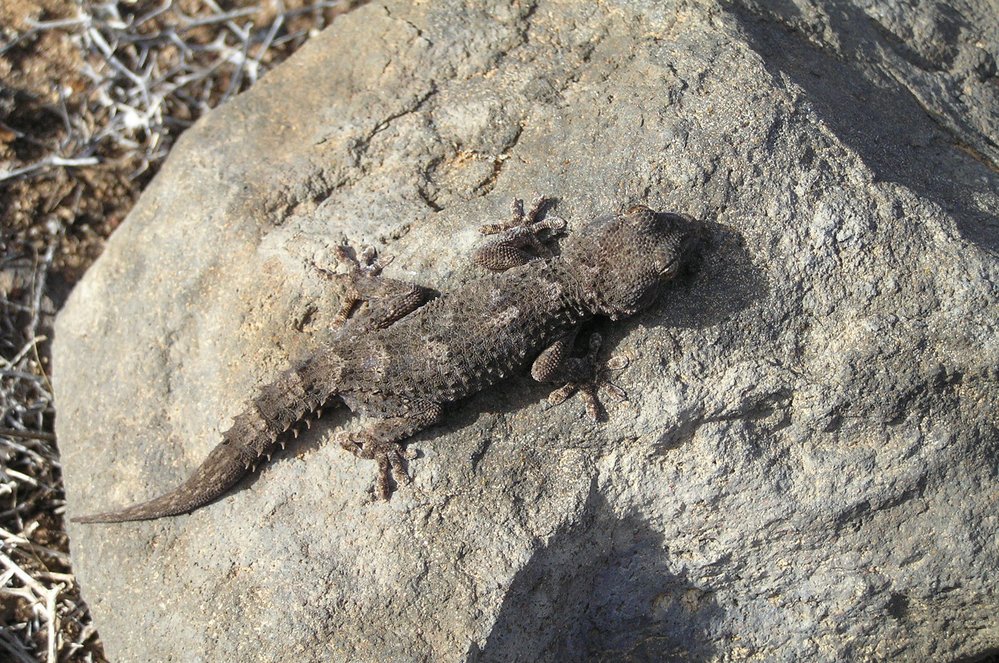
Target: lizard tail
(253, 435)
(223, 468)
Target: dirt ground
(42, 81)
(76, 150)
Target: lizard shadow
(879, 118)
(602, 589)
(717, 281)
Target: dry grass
(92, 97)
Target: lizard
(410, 356)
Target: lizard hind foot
(391, 458)
(387, 299)
(362, 267)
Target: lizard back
(462, 342)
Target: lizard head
(625, 259)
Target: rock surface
(807, 468)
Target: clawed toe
(597, 377)
(390, 457)
(603, 378)
(618, 394)
(594, 408)
(529, 221)
(563, 393)
(617, 363)
(348, 442)
(365, 263)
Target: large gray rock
(807, 466)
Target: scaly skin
(404, 362)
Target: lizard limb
(388, 299)
(520, 240)
(380, 442)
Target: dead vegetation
(92, 97)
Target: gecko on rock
(405, 359)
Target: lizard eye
(668, 269)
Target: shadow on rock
(602, 590)
(880, 119)
(718, 281)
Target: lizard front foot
(522, 231)
(391, 458)
(593, 376)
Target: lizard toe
(563, 393)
